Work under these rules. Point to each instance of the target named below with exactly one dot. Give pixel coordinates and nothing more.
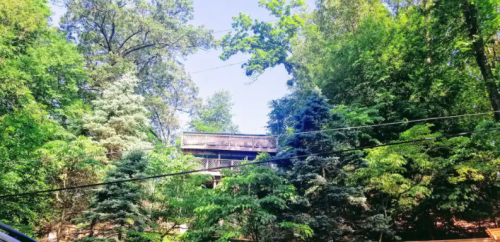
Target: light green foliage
(172, 200)
(248, 204)
(117, 35)
(119, 119)
(68, 164)
(21, 133)
(267, 42)
(168, 91)
(215, 115)
(452, 174)
(39, 76)
(35, 61)
(387, 166)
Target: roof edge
(263, 135)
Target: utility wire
(227, 30)
(219, 67)
(314, 131)
(245, 164)
(393, 123)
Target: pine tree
(120, 120)
(119, 204)
(326, 203)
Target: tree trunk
(92, 225)
(470, 13)
(120, 232)
(169, 131)
(425, 8)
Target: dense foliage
(76, 102)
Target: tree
(40, 78)
(22, 132)
(119, 204)
(119, 36)
(120, 120)
(38, 63)
(172, 200)
(215, 115)
(69, 164)
(332, 208)
(144, 37)
(168, 92)
(423, 183)
(270, 43)
(479, 22)
(248, 204)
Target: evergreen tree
(119, 205)
(120, 119)
(326, 203)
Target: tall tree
(478, 21)
(119, 204)
(269, 43)
(41, 75)
(168, 92)
(118, 35)
(332, 208)
(215, 115)
(120, 120)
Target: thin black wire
(394, 123)
(227, 30)
(246, 164)
(314, 131)
(219, 67)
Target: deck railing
(229, 142)
(213, 163)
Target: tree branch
(128, 38)
(103, 32)
(136, 48)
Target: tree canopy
(103, 99)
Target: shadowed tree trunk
(470, 14)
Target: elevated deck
(240, 143)
(218, 150)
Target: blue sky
(250, 100)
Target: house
(223, 149)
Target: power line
(314, 131)
(227, 30)
(89, 155)
(221, 31)
(246, 164)
(219, 67)
(394, 123)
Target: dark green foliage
(325, 202)
(119, 205)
